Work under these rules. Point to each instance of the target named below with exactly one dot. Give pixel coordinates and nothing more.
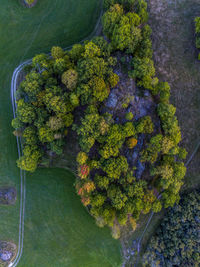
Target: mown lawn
(58, 231)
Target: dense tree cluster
(176, 241)
(197, 31)
(68, 90)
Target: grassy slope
(25, 32)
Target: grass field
(58, 230)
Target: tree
(70, 78)
(145, 125)
(30, 135)
(46, 135)
(25, 112)
(30, 159)
(76, 52)
(57, 52)
(81, 158)
(55, 123)
(111, 18)
(116, 196)
(91, 50)
(131, 142)
(114, 167)
(99, 88)
(175, 242)
(197, 24)
(143, 67)
(113, 79)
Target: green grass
(58, 231)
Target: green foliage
(142, 68)
(175, 242)
(169, 121)
(91, 50)
(111, 18)
(30, 135)
(25, 112)
(16, 123)
(116, 197)
(113, 79)
(129, 116)
(30, 160)
(81, 158)
(29, 2)
(57, 52)
(145, 125)
(114, 167)
(122, 28)
(197, 24)
(46, 134)
(76, 52)
(99, 88)
(69, 79)
(55, 123)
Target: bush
(131, 142)
(129, 116)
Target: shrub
(129, 116)
(116, 231)
(131, 142)
(113, 79)
(74, 100)
(133, 223)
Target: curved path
(19, 146)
